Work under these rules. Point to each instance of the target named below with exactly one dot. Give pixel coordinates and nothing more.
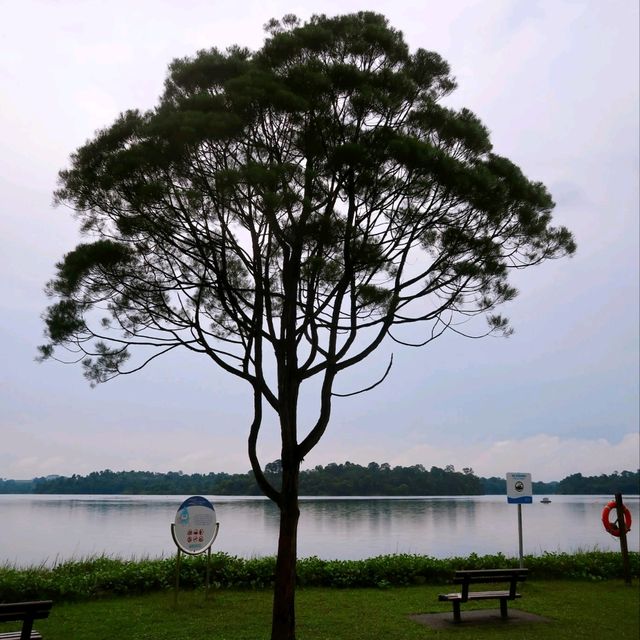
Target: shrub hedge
(104, 576)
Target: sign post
(194, 531)
(519, 491)
(624, 549)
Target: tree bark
(283, 626)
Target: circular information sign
(195, 525)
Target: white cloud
(118, 449)
(547, 457)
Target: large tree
(282, 212)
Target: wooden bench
(475, 576)
(27, 612)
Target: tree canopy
(283, 212)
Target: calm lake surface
(47, 529)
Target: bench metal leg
(27, 626)
(503, 608)
(456, 611)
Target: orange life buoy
(613, 527)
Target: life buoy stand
(613, 527)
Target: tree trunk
(283, 625)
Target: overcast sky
(556, 83)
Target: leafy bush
(104, 576)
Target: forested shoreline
(334, 479)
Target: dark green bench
(27, 612)
(469, 577)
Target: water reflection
(48, 528)
(364, 527)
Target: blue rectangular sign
(519, 488)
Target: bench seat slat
(480, 579)
(19, 610)
(43, 606)
(15, 635)
(491, 572)
(477, 595)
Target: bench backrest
(467, 577)
(12, 611)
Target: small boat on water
(545, 501)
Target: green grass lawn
(576, 609)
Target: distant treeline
(346, 479)
(334, 479)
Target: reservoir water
(45, 529)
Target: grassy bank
(104, 577)
(575, 609)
